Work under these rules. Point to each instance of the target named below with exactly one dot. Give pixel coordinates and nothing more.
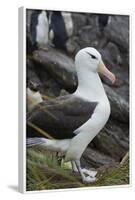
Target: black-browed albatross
(68, 123)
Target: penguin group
(49, 28)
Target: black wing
(59, 117)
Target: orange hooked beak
(103, 70)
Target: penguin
(39, 28)
(103, 21)
(68, 23)
(61, 28)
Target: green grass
(43, 172)
(118, 175)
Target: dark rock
(94, 158)
(72, 46)
(83, 35)
(59, 66)
(123, 91)
(119, 107)
(113, 140)
(40, 80)
(49, 86)
(111, 55)
(118, 32)
(113, 60)
(33, 81)
(88, 37)
(79, 21)
(92, 19)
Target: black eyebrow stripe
(91, 54)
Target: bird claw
(89, 179)
(89, 172)
(86, 172)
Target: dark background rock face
(51, 71)
(59, 66)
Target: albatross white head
(88, 62)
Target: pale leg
(85, 179)
(74, 168)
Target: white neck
(90, 86)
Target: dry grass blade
(44, 133)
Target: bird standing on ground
(69, 123)
(39, 28)
(61, 28)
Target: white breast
(68, 23)
(42, 29)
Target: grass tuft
(43, 173)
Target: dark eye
(92, 56)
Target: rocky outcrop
(113, 140)
(33, 80)
(118, 32)
(40, 80)
(94, 158)
(119, 106)
(59, 66)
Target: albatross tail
(34, 141)
(53, 145)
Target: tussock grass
(43, 172)
(117, 175)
